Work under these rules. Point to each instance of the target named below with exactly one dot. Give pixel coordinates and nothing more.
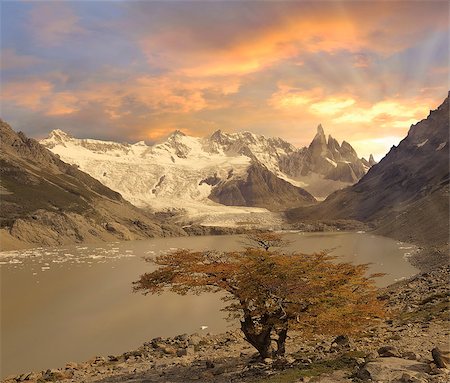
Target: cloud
(142, 95)
(224, 39)
(10, 59)
(393, 113)
(138, 70)
(27, 94)
(51, 23)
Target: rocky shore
(411, 345)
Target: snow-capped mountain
(236, 169)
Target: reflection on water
(71, 303)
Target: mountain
(46, 201)
(327, 158)
(260, 188)
(205, 175)
(406, 195)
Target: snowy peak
(140, 143)
(57, 137)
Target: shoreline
(227, 357)
(420, 259)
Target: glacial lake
(72, 303)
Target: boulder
(388, 351)
(390, 369)
(440, 358)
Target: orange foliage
(271, 292)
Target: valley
(82, 294)
(224, 191)
(223, 184)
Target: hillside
(46, 202)
(406, 195)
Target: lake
(71, 303)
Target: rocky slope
(201, 175)
(47, 202)
(406, 195)
(397, 349)
(260, 188)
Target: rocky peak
(318, 145)
(140, 143)
(372, 160)
(320, 130)
(333, 145)
(177, 133)
(319, 138)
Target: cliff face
(406, 194)
(46, 201)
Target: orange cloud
(333, 105)
(252, 54)
(28, 94)
(290, 98)
(62, 103)
(158, 94)
(394, 113)
(328, 28)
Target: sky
(138, 70)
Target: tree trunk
(281, 341)
(260, 340)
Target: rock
(56, 375)
(168, 350)
(71, 365)
(24, 377)
(341, 342)
(268, 360)
(439, 358)
(182, 337)
(390, 369)
(209, 363)
(97, 360)
(290, 359)
(410, 355)
(388, 351)
(182, 352)
(195, 340)
(410, 378)
(360, 361)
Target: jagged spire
(320, 130)
(372, 160)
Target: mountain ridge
(173, 173)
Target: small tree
(271, 292)
(265, 240)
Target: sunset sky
(137, 70)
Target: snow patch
(331, 162)
(441, 145)
(422, 143)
